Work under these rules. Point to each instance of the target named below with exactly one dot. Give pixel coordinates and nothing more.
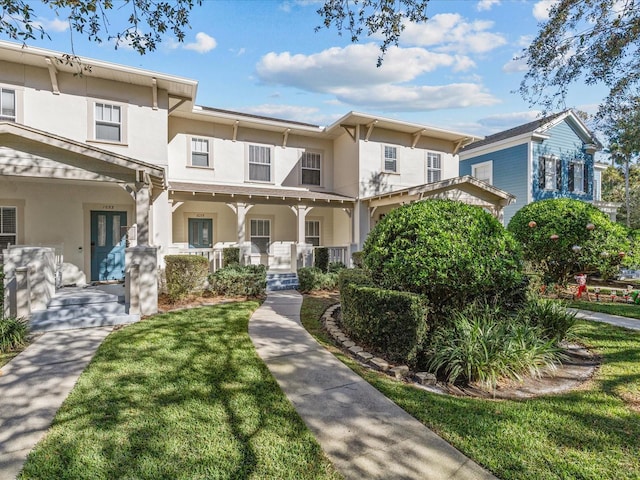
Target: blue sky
(262, 56)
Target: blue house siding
(565, 144)
(509, 174)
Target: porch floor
(83, 307)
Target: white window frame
(478, 166)
(9, 118)
(194, 142)
(578, 173)
(257, 222)
(386, 158)
(249, 163)
(313, 156)
(92, 121)
(550, 175)
(3, 233)
(316, 233)
(434, 166)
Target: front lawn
(590, 433)
(181, 395)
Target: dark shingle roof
(514, 132)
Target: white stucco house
(105, 169)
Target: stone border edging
(400, 372)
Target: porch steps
(82, 308)
(282, 281)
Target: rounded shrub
(450, 252)
(562, 236)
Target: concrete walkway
(362, 432)
(34, 384)
(630, 323)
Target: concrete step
(68, 317)
(282, 281)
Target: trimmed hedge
(387, 321)
(230, 256)
(353, 276)
(357, 259)
(186, 275)
(312, 278)
(321, 258)
(237, 280)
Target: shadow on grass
(179, 395)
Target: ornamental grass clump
(13, 333)
(552, 318)
(483, 345)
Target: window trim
(576, 165)
(91, 124)
(319, 169)
(16, 232)
(19, 95)
(430, 169)
(9, 118)
(248, 163)
(488, 163)
(384, 159)
(542, 173)
(191, 138)
(319, 236)
(251, 236)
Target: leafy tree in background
(558, 239)
(148, 20)
(595, 42)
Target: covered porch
(75, 214)
(275, 227)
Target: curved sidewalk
(362, 432)
(618, 321)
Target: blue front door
(200, 233)
(108, 241)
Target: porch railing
(336, 254)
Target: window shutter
(541, 173)
(585, 178)
(558, 174)
(571, 179)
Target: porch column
(143, 205)
(301, 214)
(301, 250)
(241, 209)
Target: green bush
(336, 267)
(354, 276)
(357, 259)
(186, 275)
(552, 318)
(13, 333)
(238, 280)
(557, 242)
(321, 258)
(482, 345)
(448, 251)
(230, 256)
(312, 279)
(393, 323)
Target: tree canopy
(590, 41)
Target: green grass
(623, 309)
(590, 433)
(181, 395)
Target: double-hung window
(108, 120)
(7, 105)
(199, 152)
(434, 167)
(549, 173)
(260, 235)
(8, 227)
(312, 232)
(390, 159)
(310, 164)
(483, 172)
(259, 163)
(576, 177)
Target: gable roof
(537, 127)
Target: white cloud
(449, 32)
(541, 9)
(517, 64)
(353, 65)
(203, 44)
(505, 121)
(486, 4)
(54, 25)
